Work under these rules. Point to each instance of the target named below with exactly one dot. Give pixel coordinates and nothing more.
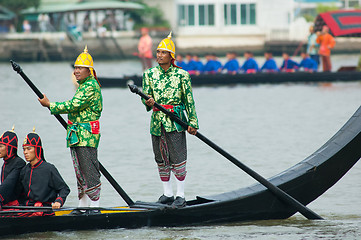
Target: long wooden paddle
(106, 174)
(309, 214)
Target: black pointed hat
(33, 140)
(10, 140)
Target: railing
(278, 34)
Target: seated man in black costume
(10, 170)
(42, 183)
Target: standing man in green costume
(83, 134)
(170, 86)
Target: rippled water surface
(267, 127)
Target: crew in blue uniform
(288, 64)
(307, 63)
(198, 65)
(250, 65)
(213, 65)
(232, 66)
(270, 64)
(180, 62)
(217, 63)
(191, 64)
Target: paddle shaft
(105, 173)
(308, 213)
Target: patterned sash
(92, 127)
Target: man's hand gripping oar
(150, 102)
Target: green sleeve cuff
(52, 107)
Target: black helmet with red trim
(33, 140)
(10, 140)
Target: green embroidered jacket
(85, 106)
(171, 87)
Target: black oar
(106, 174)
(274, 189)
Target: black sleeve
(59, 185)
(7, 188)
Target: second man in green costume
(170, 86)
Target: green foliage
(149, 17)
(309, 17)
(321, 8)
(154, 13)
(17, 5)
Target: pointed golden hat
(85, 60)
(168, 45)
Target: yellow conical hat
(168, 45)
(85, 60)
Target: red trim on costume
(96, 78)
(7, 144)
(62, 201)
(13, 203)
(251, 71)
(3, 170)
(173, 63)
(95, 126)
(38, 204)
(165, 106)
(34, 144)
(37, 164)
(9, 140)
(31, 174)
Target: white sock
(95, 204)
(167, 188)
(180, 188)
(84, 201)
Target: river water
(267, 127)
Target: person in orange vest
(327, 42)
(145, 49)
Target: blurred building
(309, 7)
(240, 23)
(227, 23)
(81, 15)
(6, 20)
(350, 3)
